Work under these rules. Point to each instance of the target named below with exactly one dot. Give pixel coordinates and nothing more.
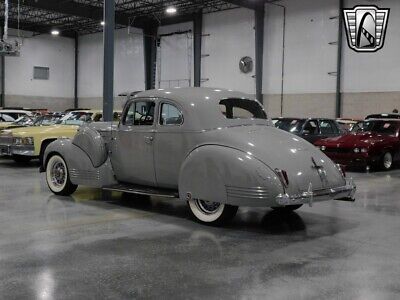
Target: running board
(142, 190)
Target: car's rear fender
(80, 166)
(227, 175)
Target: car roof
(201, 105)
(18, 111)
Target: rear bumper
(345, 193)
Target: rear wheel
(57, 176)
(21, 159)
(211, 213)
(387, 161)
(287, 208)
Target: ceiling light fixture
(102, 23)
(171, 10)
(55, 32)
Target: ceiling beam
(250, 4)
(73, 8)
(34, 27)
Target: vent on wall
(41, 73)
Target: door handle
(148, 139)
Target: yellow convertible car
(26, 143)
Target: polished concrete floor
(95, 245)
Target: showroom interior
(204, 149)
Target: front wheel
(211, 213)
(57, 177)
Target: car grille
(6, 140)
(338, 150)
(248, 193)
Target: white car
(16, 113)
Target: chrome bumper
(345, 193)
(25, 150)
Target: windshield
(6, 118)
(47, 120)
(242, 109)
(76, 118)
(381, 127)
(25, 120)
(290, 125)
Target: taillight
(283, 176)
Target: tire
(211, 213)
(287, 208)
(21, 159)
(57, 176)
(386, 161)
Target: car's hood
(5, 124)
(352, 140)
(281, 150)
(34, 130)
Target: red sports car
(372, 143)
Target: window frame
(331, 124)
(128, 106)
(318, 127)
(160, 105)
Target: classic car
(372, 143)
(213, 148)
(26, 143)
(16, 113)
(311, 129)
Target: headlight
(323, 148)
(23, 141)
(356, 150)
(364, 150)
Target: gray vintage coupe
(213, 148)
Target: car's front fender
(227, 175)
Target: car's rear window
(290, 125)
(242, 109)
(382, 127)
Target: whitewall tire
(57, 176)
(387, 161)
(211, 213)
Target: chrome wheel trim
(387, 160)
(56, 173)
(207, 207)
(206, 211)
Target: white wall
(231, 37)
(175, 56)
(57, 53)
(128, 66)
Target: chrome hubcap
(207, 207)
(387, 160)
(58, 174)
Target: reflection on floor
(115, 246)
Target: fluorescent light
(102, 23)
(55, 32)
(171, 10)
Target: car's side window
(140, 113)
(311, 127)
(326, 127)
(170, 115)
